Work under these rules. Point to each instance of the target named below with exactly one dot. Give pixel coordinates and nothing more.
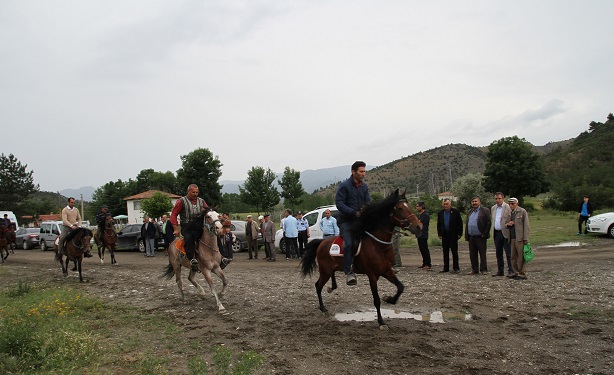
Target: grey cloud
(545, 112)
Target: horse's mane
(375, 215)
(76, 232)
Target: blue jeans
(345, 230)
(501, 243)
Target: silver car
(27, 238)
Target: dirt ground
(559, 321)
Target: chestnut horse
(75, 245)
(374, 255)
(107, 239)
(4, 243)
(207, 254)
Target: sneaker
(578, 233)
(350, 279)
(194, 265)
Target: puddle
(371, 315)
(567, 244)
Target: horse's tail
(169, 272)
(308, 263)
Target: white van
(11, 217)
(50, 230)
(313, 218)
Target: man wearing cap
(269, 237)
(101, 219)
(251, 234)
(351, 196)
(477, 230)
(518, 224)
(186, 210)
(303, 233)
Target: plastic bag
(528, 253)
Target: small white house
(133, 204)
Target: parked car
(27, 238)
(237, 228)
(313, 218)
(601, 224)
(50, 230)
(129, 238)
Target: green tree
(200, 167)
(112, 195)
(258, 189)
(231, 202)
(513, 168)
(16, 184)
(159, 204)
(291, 187)
(148, 179)
(467, 187)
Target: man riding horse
(186, 210)
(71, 220)
(101, 219)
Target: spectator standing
(351, 196)
(396, 247)
(224, 243)
(477, 231)
(423, 238)
(167, 232)
(501, 234)
(585, 211)
(291, 235)
(266, 249)
(251, 234)
(269, 236)
(328, 225)
(148, 233)
(518, 225)
(449, 231)
(303, 234)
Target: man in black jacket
(477, 230)
(449, 230)
(585, 211)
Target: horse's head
(109, 222)
(403, 216)
(212, 222)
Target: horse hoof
(389, 300)
(101, 261)
(222, 309)
(329, 289)
(383, 327)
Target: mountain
(87, 192)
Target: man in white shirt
(501, 233)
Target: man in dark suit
(148, 234)
(167, 232)
(449, 230)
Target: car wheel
(236, 246)
(611, 231)
(141, 246)
(43, 246)
(24, 245)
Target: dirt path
(561, 320)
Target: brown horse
(107, 239)
(75, 244)
(207, 254)
(4, 243)
(374, 257)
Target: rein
(378, 240)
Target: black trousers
(450, 244)
(477, 247)
(302, 242)
(423, 245)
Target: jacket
(456, 224)
(425, 219)
(521, 224)
(483, 222)
(255, 229)
(350, 199)
(589, 208)
(269, 231)
(506, 211)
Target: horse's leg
(207, 274)
(376, 300)
(392, 277)
(79, 259)
(333, 281)
(201, 291)
(325, 274)
(112, 251)
(100, 252)
(65, 266)
(177, 268)
(218, 271)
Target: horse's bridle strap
(378, 240)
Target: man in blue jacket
(352, 195)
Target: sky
(96, 91)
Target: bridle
(211, 228)
(83, 239)
(397, 217)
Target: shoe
(350, 279)
(272, 259)
(456, 271)
(578, 233)
(444, 271)
(422, 266)
(226, 261)
(498, 274)
(87, 255)
(484, 273)
(511, 275)
(472, 273)
(251, 258)
(194, 265)
(426, 268)
(287, 258)
(520, 277)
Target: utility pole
(82, 217)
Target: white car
(313, 218)
(601, 224)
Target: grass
(59, 330)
